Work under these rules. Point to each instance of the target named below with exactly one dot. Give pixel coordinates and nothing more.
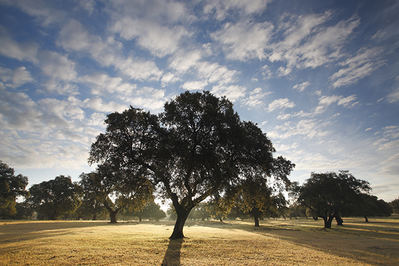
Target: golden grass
(279, 242)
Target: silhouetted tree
(11, 186)
(151, 211)
(115, 189)
(369, 205)
(395, 205)
(55, 198)
(328, 195)
(196, 148)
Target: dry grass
(208, 243)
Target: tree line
(197, 153)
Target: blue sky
(321, 78)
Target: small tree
(11, 186)
(151, 211)
(116, 189)
(55, 198)
(328, 195)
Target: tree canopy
(195, 148)
(328, 195)
(55, 198)
(115, 189)
(11, 186)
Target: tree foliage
(55, 198)
(395, 205)
(196, 148)
(115, 189)
(11, 186)
(329, 195)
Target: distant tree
(196, 148)
(151, 211)
(296, 210)
(55, 198)
(395, 205)
(115, 189)
(11, 186)
(24, 210)
(369, 205)
(328, 195)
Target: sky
(320, 78)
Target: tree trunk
(112, 216)
(256, 218)
(140, 219)
(182, 215)
(94, 216)
(366, 219)
(327, 221)
(339, 220)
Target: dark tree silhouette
(196, 148)
(116, 189)
(395, 205)
(11, 186)
(369, 205)
(55, 198)
(328, 195)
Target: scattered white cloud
(232, 92)
(98, 105)
(221, 8)
(256, 97)
(357, 67)
(15, 77)
(194, 85)
(57, 66)
(326, 101)
(301, 86)
(168, 78)
(159, 40)
(101, 83)
(281, 104)
(393, 97)
(244, 40)
(17, 50)
(309, 43)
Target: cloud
(309, 128)
(101, 83)
(256, 97)
(74, 37)
(220, 9)
(308, 43)
(282, 103)
(57, 66)
(159, 40)
(326, 101)
(232, 92)
(357, 67)
(169, 78)
(16, 77)
(42, 10)
(393, 97)
(194, 85)
(301, 86)
(244, 40)
(17, 50)
(98, 105)
(183, 61)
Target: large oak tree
(197, 147)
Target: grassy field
(208, 243)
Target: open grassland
(279, 241)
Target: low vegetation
(276, 241)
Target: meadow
(275, 242)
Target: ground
(301, 241)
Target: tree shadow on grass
(172, 254)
